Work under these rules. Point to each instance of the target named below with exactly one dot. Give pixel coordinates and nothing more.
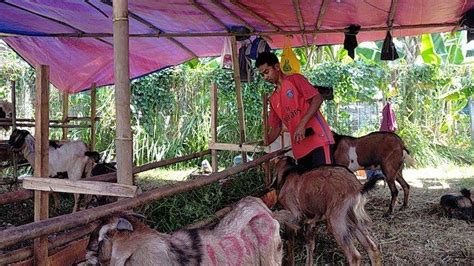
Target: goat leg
(406, 189)
(309, 238)
(291, 233)
(394, 192)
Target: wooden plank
(238, 91)
(54, 242)
(71, 254)
(65, 114)
(214, 102)
(41, 210)
(79, 186)
(93, 117)
(237, 147)
(20, 233)
(122, 92)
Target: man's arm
(314, 105)
(273, 134)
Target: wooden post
(122, 92)
(238, 89)
(471, 113)
(41, 158)
(14, 158)
(93, 116)
(65, 114)
(214, 102)
(266, 166)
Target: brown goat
(248, 235)
(383, 150)
(330, 193)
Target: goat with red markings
(248, 235)
(330, 193)
(384, 150)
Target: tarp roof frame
(75, 37)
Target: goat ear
(124, 224)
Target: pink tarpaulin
(35, 29)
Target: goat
(70, 157)
(6, 111)
(459, 206)
(247, 235)
(330, 193)
(383, 150)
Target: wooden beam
(237, 147)
(93, 117)
(391, 14)
(52, 126)
(209, 14)
(13, 119)
(296, 5)
(122, 93)
(238, 91)
(255, 15)
(266, 166)
(79, 186)
(322, 12)
(65, 113)
(232, 14)
(214, 105)
(41, 166)
(56, 224)
(51, 19)
(155, 29)
(223, 34)
(69, 119)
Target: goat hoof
(403, 207)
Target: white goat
(248, 235)
(70, 157)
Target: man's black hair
(266, 58)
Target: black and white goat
(70, 157)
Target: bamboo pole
(238, 90)
(214, 102)
(56, 121)
(296, 5)
(41, 158)
(266, 166)
(122, 93)
(13, 119)
(23, 194)
(52, 126)
(93, 116)
(65, 114)
(28, 231)
(322, 12)
(208, 14)
(232, 14)
(255, 15)
(224, 34)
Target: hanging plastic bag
(289, 63)
(226, 56)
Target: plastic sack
(289, 63)
(226, 56)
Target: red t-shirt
(290, 104)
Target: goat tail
(370, 184)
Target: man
(295, 102)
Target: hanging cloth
(245, 65)
(389, 124)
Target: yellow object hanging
(289, 63)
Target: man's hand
(299, 133)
